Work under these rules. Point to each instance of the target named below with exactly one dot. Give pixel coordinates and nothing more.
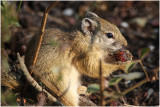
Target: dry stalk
(139, 61)
(128, 90)
(43, 24)
(122, 98)
(101, 102)
(154, 77)
(144, 70)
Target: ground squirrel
(75, 53)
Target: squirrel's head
(101, 32)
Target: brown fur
(73, 55)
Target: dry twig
(43, 24)
(139, 61)
(122, 98)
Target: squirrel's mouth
(116, 46)
(110, 50)
(113, 49)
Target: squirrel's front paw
(82, 90)
(123, 56)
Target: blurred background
(138, 21)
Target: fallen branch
(33, 82)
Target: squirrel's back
(55, 43)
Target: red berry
(121, 56)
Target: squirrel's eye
(109, 35)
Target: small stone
(151, 47)
(124, 24)
(68, 12)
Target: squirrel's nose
(124, 42)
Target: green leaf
(130, 76)
(112, 94)
(3, 3)
(143, 52)
(10, 98)
(15, 22)
(114, 81)
(93, 87)
(19, 6)
(130, 66)
(41, 84)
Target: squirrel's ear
(88, 26)
(91, 14)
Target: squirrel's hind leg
(68, 86)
